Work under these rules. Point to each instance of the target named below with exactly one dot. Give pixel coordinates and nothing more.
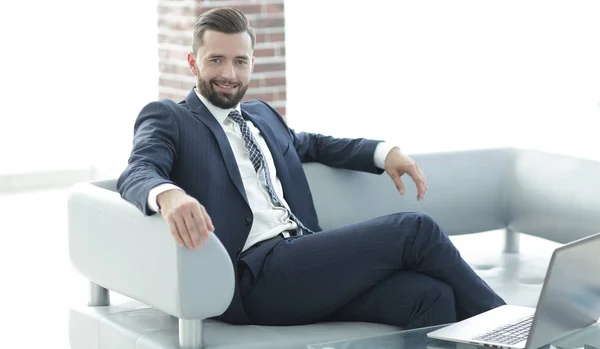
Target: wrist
(381, 153)
(164, 199)
(390, 152)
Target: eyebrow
(223, 56)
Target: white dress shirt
(269, 221)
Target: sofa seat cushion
(134, 325)
(130, 324)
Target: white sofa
(552, 198)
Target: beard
(222, 100)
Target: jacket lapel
(273, 145)
(201, 113)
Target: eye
(215, 60)
(242, 62)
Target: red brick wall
(176, 20)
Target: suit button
(248, 220)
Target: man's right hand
(187, 218)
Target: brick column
(176, 19)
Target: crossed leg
(399, 269)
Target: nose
(228, 71)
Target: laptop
(569, 301)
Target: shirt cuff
(154, 192)
(381, 152)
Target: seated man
(211, 163)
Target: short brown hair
(223, 19)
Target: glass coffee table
(587, 338)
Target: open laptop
(569, 301)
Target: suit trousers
(400, 269)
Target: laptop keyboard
(509, 334)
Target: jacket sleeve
(155, 144)
(352, 154)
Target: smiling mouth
(225, 86)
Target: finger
(420, 189)
(208, 224)
(425, 184)
(185, 235)
(188, 220)
(421, 186)
(415, 174)
(398, 182)
(201, 223)
(175, 232)
(424, 180)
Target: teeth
(224, 86)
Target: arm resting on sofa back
(467, 191)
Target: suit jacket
(185, 145)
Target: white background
(427, 75)
(73, 76)
(445, 75)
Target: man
(210, 163)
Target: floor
(38, 283)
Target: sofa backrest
(468, 191)
(548, 195)
(556, 197)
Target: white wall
(73, 76)
(429, 75)
(446, 75)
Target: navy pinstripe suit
(399, 269)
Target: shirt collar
(219, 113)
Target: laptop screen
(570, 297)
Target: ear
(191, 59)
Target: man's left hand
(397, 164)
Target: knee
(421, 222)
(424, 220)
(418, 218)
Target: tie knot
(235, 116)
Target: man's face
(223, 66)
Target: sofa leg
(99, 296)
(190, 334)
(511, 243)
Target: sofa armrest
(467, 191)
(115, 246)
(556, 197)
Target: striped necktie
(259, 162)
